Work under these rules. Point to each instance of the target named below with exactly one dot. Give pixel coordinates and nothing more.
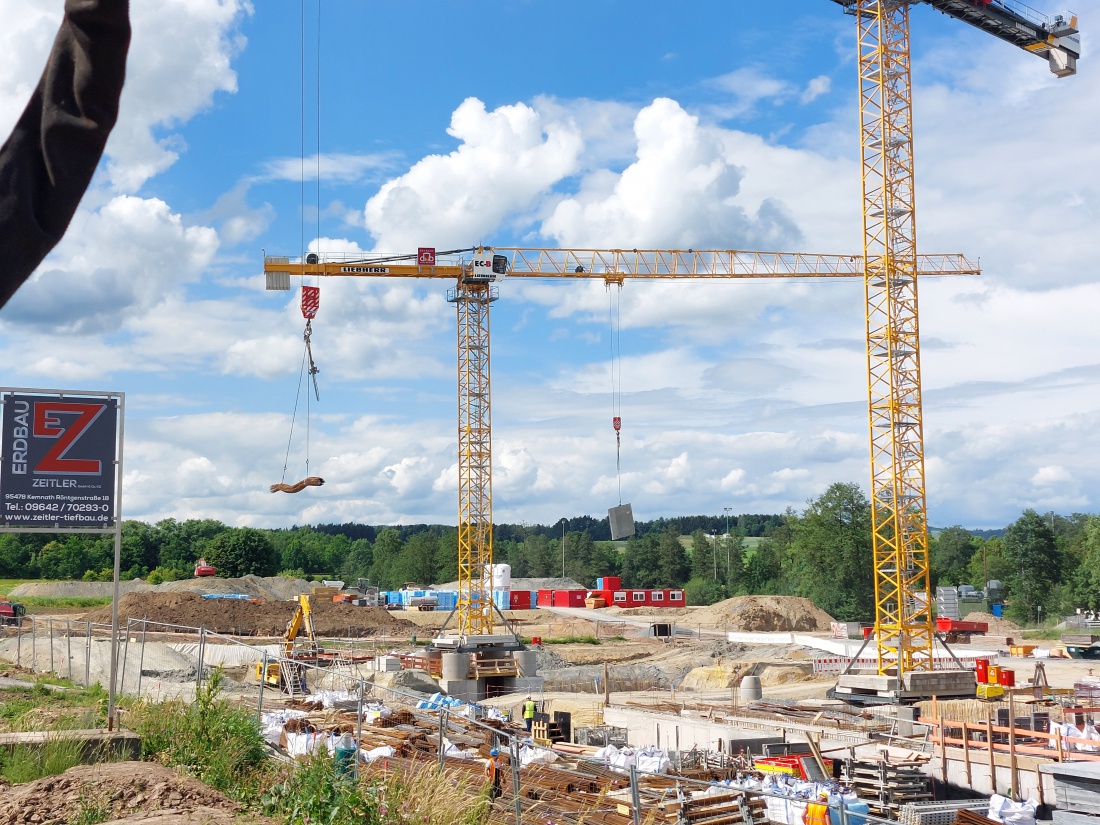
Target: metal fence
(80, 651)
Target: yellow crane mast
(473, 294)
(903, 613)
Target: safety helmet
(494, 752)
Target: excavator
(287, 672)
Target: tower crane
(903, 615)
(475, 277)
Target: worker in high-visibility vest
(528, 712)
(817, 813)
(492, 773)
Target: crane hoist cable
(311, 299)
(616, 381)
(311, 295)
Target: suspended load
(622, 522)
(312, 481)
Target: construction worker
(492, 773)
(817, 813)
(48, 161)
(528, 712)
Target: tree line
(1049, 564)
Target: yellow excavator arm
(302, 618)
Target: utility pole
(714, 552)
(728, 511)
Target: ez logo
(48, 424)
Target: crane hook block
(617, 423)
(312, 481)
(311, 300)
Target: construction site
(583, 708)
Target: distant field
(750, 542)
(7, 585)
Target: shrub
(701, 591)
(210, 739)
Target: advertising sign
(57, 461)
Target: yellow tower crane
(475, 277)
(903, 611)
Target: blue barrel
(997, 610)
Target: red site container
(1008, 677)
(981, 670)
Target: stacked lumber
(715, 809)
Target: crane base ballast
(862, 687)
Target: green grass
(74, 602)
(26, 763)
(1044, 633)
(571, 640)
(66, 709)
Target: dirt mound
(75, 590)
(997, 626)
(274, 588)
(252, 618)
(259, 587)
(763, 613)
(114, 790)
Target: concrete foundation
(665, 730)
(455, 667)
(526, 663)
(95, 744)
(467, 690)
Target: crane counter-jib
(611, 265)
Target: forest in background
(1049, 564)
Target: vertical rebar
(635, 798)
(358, 729)
(19, 642)
(260, 701)
(517, 795)
(34, 645)
(49, 624)
(69, 646)
(87, 654)
(442, 725)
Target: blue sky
(613, 123)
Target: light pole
(714, 552)
(563, 523)
(728, 511)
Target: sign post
(61, 472)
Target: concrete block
(95, 744)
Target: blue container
(599, 583)
(345, 760)
(997, 610)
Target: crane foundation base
(472, 677)
(872, 688)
